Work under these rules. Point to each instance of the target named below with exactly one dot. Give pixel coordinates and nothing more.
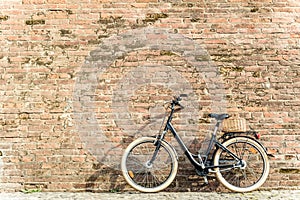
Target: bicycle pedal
(205, 180)
(200, 173)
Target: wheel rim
(145, 177)
(251, 173)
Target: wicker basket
(234, 125)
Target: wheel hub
(148, 165)
(243, 164)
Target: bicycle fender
(172, 148)
(251, 138)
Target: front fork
(156, 143)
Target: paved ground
(258, 195)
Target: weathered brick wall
(45, 45)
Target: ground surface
(260, 195)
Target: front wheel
(148, 168)
(244, 175)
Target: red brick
(253, 48)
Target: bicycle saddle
(218, 116)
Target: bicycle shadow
(112, 176)
(186, 180)
(104, 175)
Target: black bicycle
(239, 161)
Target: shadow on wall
(107, 179)
(110, 179)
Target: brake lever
(180, 107)
(178, 98)
(183, 95)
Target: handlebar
(175, 101)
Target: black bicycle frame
(192, 157)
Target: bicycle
(239, 161)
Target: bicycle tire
(247, 178)
(143, 177)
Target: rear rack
(252, 133)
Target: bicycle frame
(192, 157)
(227, 159)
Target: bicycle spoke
(250, 173)
(149, 175)
(243, 150)
(140, 164)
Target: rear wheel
(144, 175)
(249, 173)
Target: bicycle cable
(163, 120)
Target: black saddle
(218, 116)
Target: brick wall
(48, 48)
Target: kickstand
(205, 180)
(204, 175)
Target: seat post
(217, 127)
